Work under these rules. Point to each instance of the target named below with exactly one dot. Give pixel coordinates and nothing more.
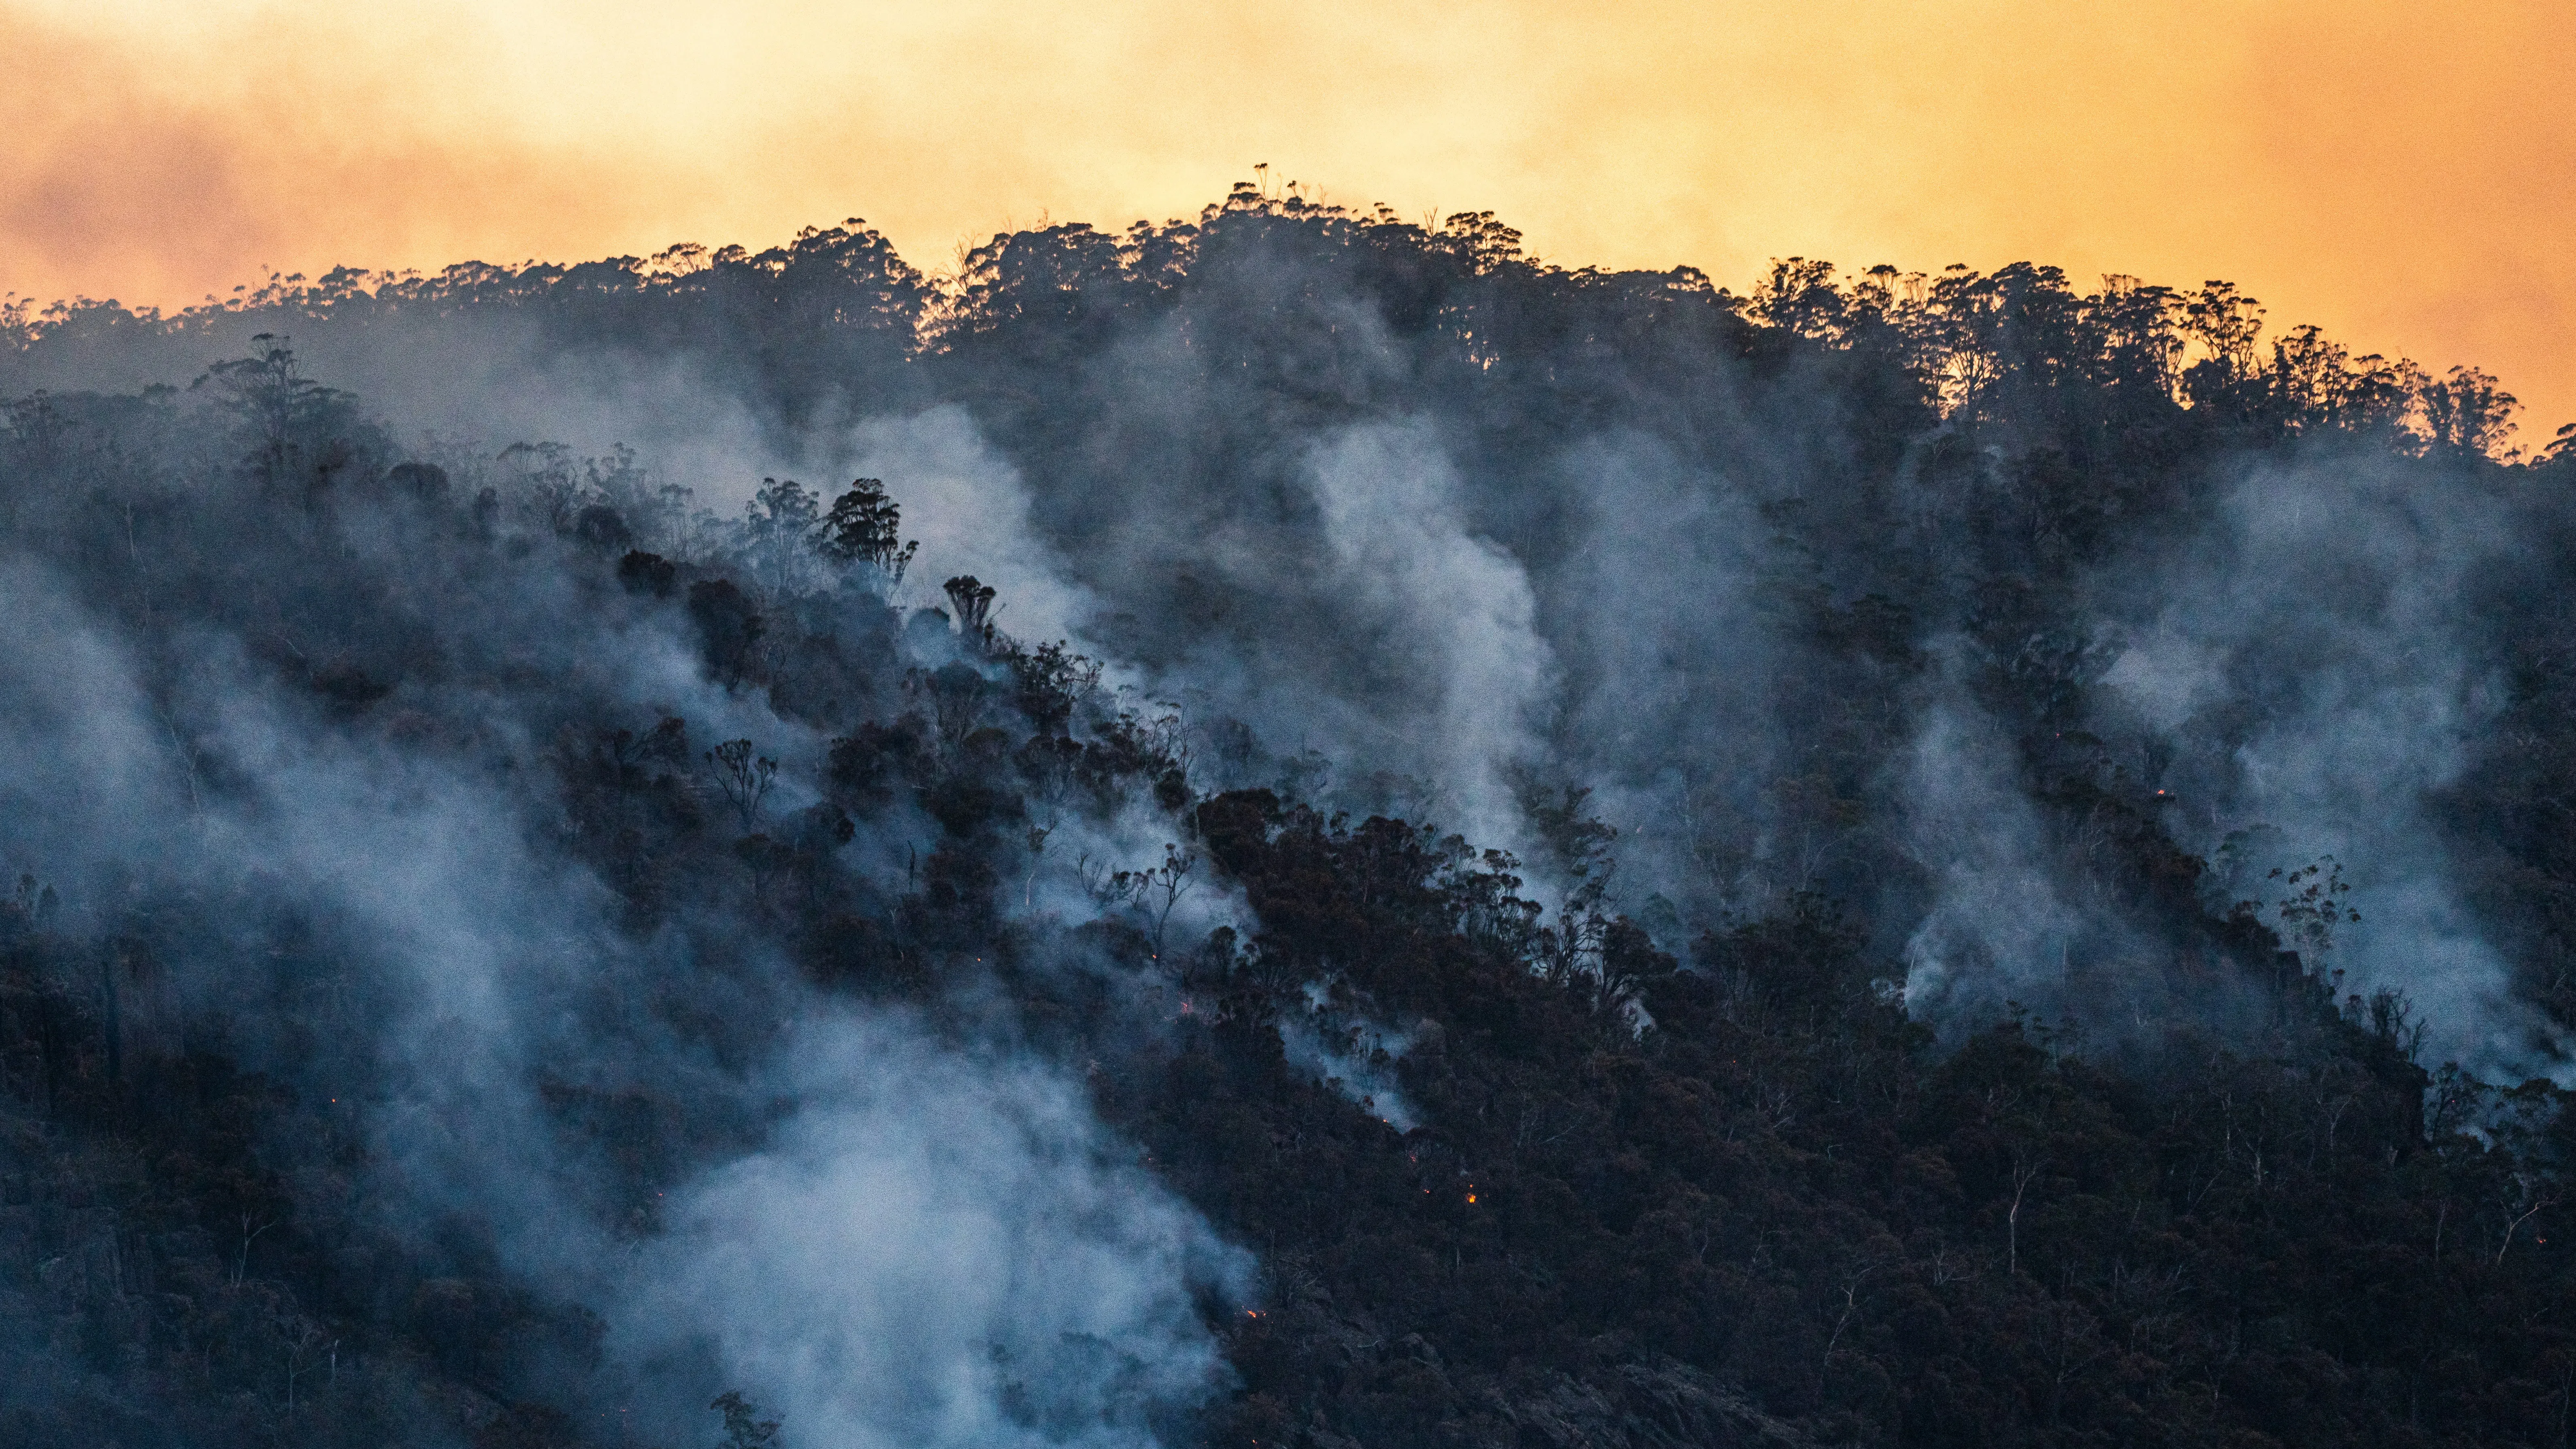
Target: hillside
(1305, 830)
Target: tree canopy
(1895, 858)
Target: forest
(775, 849)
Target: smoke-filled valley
(1289, 829)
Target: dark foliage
(1582, 1172)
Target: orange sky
(2403, 175)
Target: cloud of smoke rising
(935, 1250)
(1361, 570)
(1350, 1052)
(1451, 611)
(938, 1244)
(1670, 709)
(969, 509)
(2313, 662)
(1996, 931)
(478, 380)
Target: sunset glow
(2396, 174)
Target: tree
(2314, 907)
(863, 527)
(729, 627)
(291, 422)
(778, 524)
(2466, 417)
(2225, 323)
(744, 1428)
(973, 602)
(1159, 891)
(744, 777)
